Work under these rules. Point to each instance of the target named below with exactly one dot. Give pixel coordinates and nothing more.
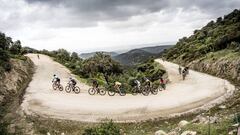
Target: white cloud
(44, 26)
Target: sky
(106, 25)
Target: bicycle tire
(91, 91)
(102, 92)
(60, 87)
(154, 91)
(68, 89)
(54, 86)
(145, 91)
(77, 90)
(134, 91)
(111, 93)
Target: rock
(214, 119)
(62, 134)
(222, 107)
(48, 133)
(160, 132)
(166, 122)
(189, 133)
(11, 128)
(183, 123)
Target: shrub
(108, 128)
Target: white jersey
(138, 83)
(55, 78)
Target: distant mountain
(140, 55)
(88, 55)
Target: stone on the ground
(48, 133)
(183, 123)
(160, 132)
(189, 133)
(222, 107)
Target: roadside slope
(181, 96)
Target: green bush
(108, 128)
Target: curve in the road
(196, 91)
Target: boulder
(222, 107)
(160, 132)
(189, 133)
(183, 123)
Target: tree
(16, 47)
(75, 57)
(63, 55)
(101, 63)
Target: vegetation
(104, 129)
(141, 55)
(223, 34)
(8, 49)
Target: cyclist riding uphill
(137, 83)
(72, 81)
(162, 83)
(117, 85)
(95, 83)
(56, 79)
(147, 82)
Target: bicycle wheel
(54, 86)
(159, 88)
(91, 91)
(111, 93)
(154, 91)
(145, 91)
(102, 92)
(60, 87)
(68, 89)
(134, 91)
(77, 89)
(122, 93)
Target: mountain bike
(93, 91)
(112, 91)
(56, 86)
(149, 89)
(70, 87)
(136, 90)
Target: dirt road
(197, 90)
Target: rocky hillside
(12, 86)
(214, 49)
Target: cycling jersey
(118, 84)
(137, 83)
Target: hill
(140, 55)
(214, 49)
(88, 55)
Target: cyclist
(95, 84)
(56, 79)
(180, 70)
(117, 85)
(73, 82)
(184, 74)
(162, 83)
(138, 84)
(147, 82)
